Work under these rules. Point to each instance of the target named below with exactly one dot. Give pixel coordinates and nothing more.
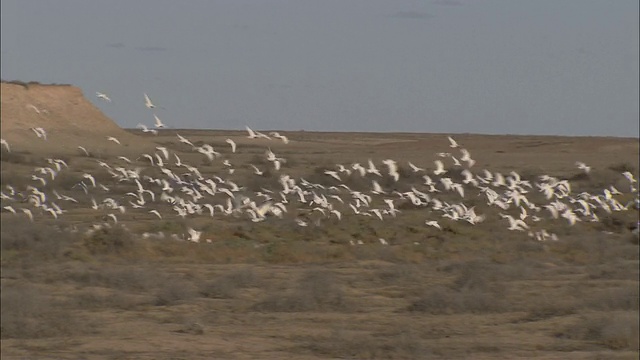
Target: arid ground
(276, 290)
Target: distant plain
(277, 290)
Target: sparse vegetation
(326, 291)
(616, 332)
(316, 291)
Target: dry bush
(436, 300)
(317, 290)
(477, 289)
(633, 237)
(14, 158)
(580, 250)
(443, 300)
(14, 179)
(614, 270)
(622, 167)
(616, 331)
(296, 252)
(111, 240)
(478, 272)
(99, 154)
(166, 289)
(66, 181)
(227, 285)
(33, 241)
(168, 226)
(356, 182)
(28, 312)
(192, 328)
(16, 82)
(259, 160)
(91, 299)
(621, 298)
(399, 274)
(139, 279)
(342, 345)
(546, 309)
(173, 292)
(616, 222)
(268, 180)
(100, 175)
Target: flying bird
(28, 213)
(256, 170)
(194, 235)
(415, 168)
(629, 176)
(6, 144)
(111, 138)
(103, 96)
(467, 157)
(454, 144)
(281, 137)
(233, 145)
(434, 224)
(40, 132)
(158, 123)
(84, 150)
(183, 140)
(146, 129)
(147, 102)
(582, 166)
(439, 168)
(31, 106)
(333, 174)
(164, 151)
(10, 208)
(252, 134)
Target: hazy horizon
(444, 66)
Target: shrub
(110, 240)
(14, 158)
(316, 291)
(227, 285)
(28, 312)
(401, 344)
(174, 291)
(615, 331)
(622, 167)
(33, 240)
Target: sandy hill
(62, 110)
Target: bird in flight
(84, 150)
(281, 137)
(582, 166)
(6, 144)
(111, 138)
(147, 102)
(103, 96)
(146, 129)
(434, 224)
(159, 123)
(40, 132)
(233, 145)
(439, 168)
(454, 144)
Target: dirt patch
(68, 118)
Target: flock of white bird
(181, 190)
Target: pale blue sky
(557, 67)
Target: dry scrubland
(274, 290)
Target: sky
(543, 67)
